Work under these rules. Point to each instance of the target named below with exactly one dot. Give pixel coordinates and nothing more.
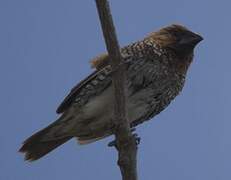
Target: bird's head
(177, 38)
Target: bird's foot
(135, 136)
(112, 143)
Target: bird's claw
(135, 136)
(133, 129)
(112, 143)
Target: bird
(156, 69)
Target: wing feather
(93, 84)
(101, 77)
(73, 93)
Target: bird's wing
(95, 82)
(100, 79)
(101, 64)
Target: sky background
(45, 47)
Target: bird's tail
(41, 143)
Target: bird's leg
(135, 135)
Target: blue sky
(45, 47)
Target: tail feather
(35, 147)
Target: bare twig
(125, 142)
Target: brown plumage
(156, 68)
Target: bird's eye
(178, 36)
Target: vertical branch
(125, 142)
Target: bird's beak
(192, 40)
(198, 38)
